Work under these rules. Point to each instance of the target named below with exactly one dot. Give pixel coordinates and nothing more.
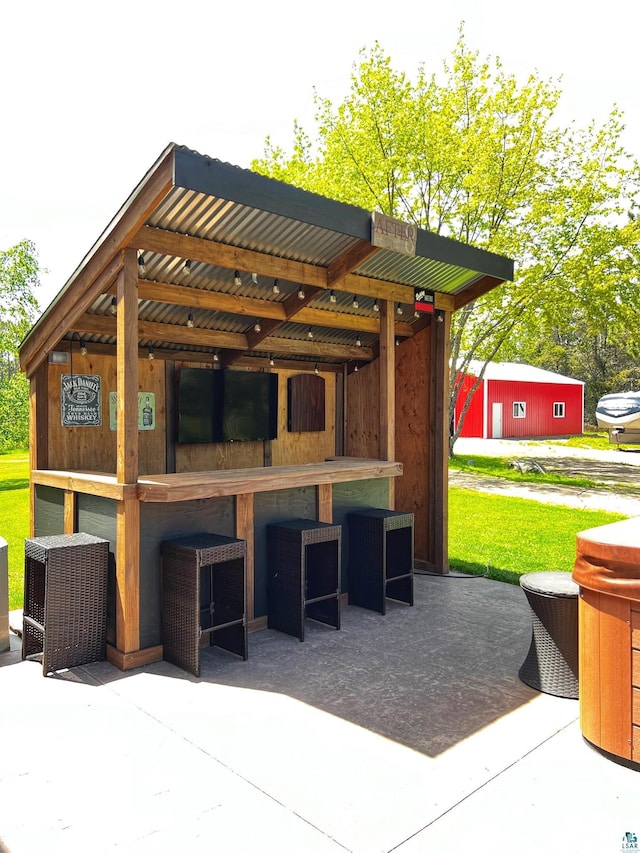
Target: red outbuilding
(520, 401)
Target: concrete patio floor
(407, 732)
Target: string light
(376, 307)
(114, 306)
(276, 286)
(271, 361)
(332, 297)
(301, 292)
(216, 357)
(310, 333)
(399, 309)
(190, 320)
(358, 341)
(236, 279)
(355, 369)
(187, 267)
(254, 277)
(151, 356)
(83, 347)
(316, 370)
(257, 327)
(142, 269)
(355, 302)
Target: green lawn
(504, 537)
(500, 537)
(14, 511)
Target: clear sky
(90, 94)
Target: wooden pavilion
(211, 266)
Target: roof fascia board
(457, 254)
(202, 174)
(87, 281)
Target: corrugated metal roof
(221, 220)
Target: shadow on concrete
(426, 676)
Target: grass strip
(503, 538)
(14, 511)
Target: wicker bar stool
(304, 574)
(551, 665)
(65, 600)
(380, 558)
(204, 593)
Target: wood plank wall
(288, 449)
(413, 369)
(362, 438)
(93, 448)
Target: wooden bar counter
(239, 503)
(208, 484)
(607, 569)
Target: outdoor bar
(234, 353)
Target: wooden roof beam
(93, 324)
(229, 257)
(478, 288)
(349, 261)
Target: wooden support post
(128, 575)
(244, 530)
(127, 370)
(325, 502)
(388, 389)
(438, 496)
(128, 511)
(70, 503)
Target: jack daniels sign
(81, 399)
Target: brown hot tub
(607, 569)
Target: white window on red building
(519, 410)
(558, 410)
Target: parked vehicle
(619, 414)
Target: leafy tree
(478, 158)
(19, 272)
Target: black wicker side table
(303, 575)
(204, 591)
(551, 665)
(380, 558)
(65, 600)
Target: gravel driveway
(606, 466)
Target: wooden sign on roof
(392, 234)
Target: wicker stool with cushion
(551, 665)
